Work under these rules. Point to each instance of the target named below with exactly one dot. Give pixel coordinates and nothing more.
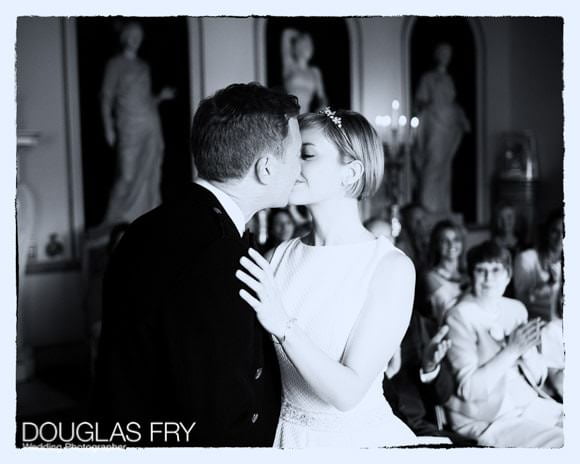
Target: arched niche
(165, 49)
(336, 52)
(420, 36)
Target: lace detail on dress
(331, 422)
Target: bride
(337, 301)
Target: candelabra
(398, 135)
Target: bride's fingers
(252, 268)
(249, 281)
(253, 302)
(260, 260)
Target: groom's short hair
(233, 127)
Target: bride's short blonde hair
(356, 139)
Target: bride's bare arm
(377, 334)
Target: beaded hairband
(337, 120)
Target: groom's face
(288, 166)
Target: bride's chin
(297, 203)
(297, 200)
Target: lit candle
(403, 128)
(395, 110)
(414, 126)
(383, 122)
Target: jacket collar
(227, 204)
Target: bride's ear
(353, 171)
(264, 169)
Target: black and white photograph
(299, 232)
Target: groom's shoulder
(184, 227)
(175, 221)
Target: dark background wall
(536, 85)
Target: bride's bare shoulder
(395, 261)
(394, 270)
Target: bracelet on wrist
(289, 325)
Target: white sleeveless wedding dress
(324, 288)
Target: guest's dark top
(412, 400)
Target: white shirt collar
(231, 207)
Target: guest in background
(301, 78)
(132, 126)
(496, 363)
(506, 231)
(538, 271)
(423, 381)
(538, 284)
(446, 279)
(413, 237)
(380, 228)
(281, 227)
(506, 228)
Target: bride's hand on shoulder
(257, 274)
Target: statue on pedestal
(443, 124)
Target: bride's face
(321, 171)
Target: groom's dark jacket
(178, 344)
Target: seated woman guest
(496, 363)
(445, 280)
(538, 272)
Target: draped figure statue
(443, 124)
(133, 127)
(301, 78)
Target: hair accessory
(332, 115)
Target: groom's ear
(265, 168)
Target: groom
(180, 350)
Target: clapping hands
(436, 350)
(526, 336)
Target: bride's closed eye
(306, 152)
